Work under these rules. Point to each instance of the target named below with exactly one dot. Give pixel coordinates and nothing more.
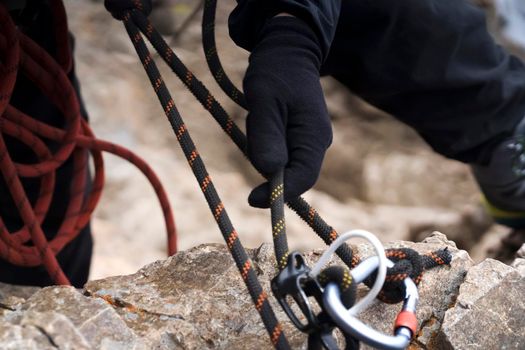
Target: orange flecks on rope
(189, 77)
(169, 106)
(209, 102)
(395, 254)
(158, 84)
(311, 216)
(218, 211)
(276, 333)
(355, 261)
(205, 183)
(229, 126)
(333, 235)
(246, 269)
(180, 131)
(231, 239)
(398, 277)
(147, 61)
(436, 258)
(169, 54)
(260, 300)
(194, 154)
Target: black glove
(288, 124)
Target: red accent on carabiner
(406, 319)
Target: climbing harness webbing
(408, 263)
(19, 54)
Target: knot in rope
(407, 263)
(342, 277)
(118, 8)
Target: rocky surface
(489, 312)
(196, 300)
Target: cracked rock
(197, 300)
(194, 300)
(489, 312)
(15, 337)
(58, 328)
(12, 297)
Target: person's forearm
(250, 16)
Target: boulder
(12, 297)
(196, 300)
(489, 310)
(62, 317)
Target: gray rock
(96, 323)
(15, 337)
(58, 328)
(196, 300)
(489, 312)
(193, 300)
(521, 252)
(519, 262)
(12, 296)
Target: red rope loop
(29, 246)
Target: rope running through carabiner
(135, 20)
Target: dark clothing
(430, 63)
(250, 16)
(288, 125)
(75, 258)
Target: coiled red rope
(29, 246)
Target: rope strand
(20, 53)
(131, 20)
(135, 21)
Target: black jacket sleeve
(250, 16)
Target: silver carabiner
(405, 325)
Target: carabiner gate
(405, 325)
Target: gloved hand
(288, 124)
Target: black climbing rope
(407, 262)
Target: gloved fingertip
(259, 197)
(298, 179)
